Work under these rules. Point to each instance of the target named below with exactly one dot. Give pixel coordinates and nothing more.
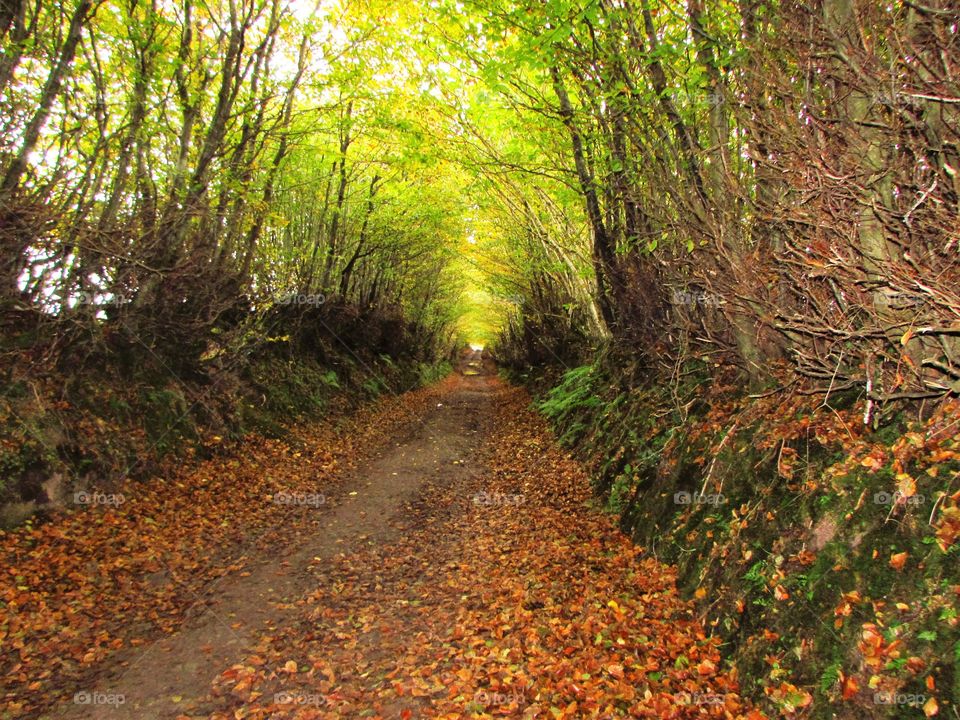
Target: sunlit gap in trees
(479, 313)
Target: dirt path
(172, 676)
(501, 593)
(460, 572)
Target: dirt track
(459, 572)
(173, 675)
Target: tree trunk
(50, 92)
(361, 240)
(604, 252)
(333, 240)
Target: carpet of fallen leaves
(91, 583)
(523, 601)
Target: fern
(575, 392)
(830, 677)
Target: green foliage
(620, 493)
(374, 386)
(830, 678)
(574, 393)
(431, 373)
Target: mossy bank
(115, 410)
(821, 548)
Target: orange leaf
(949, 529)
(850, 687)
(930, 707)
(897, 561)
(906, 485)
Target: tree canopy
(770, 184)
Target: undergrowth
(93, 427)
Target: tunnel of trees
(770, 184)
(209, 209)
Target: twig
(713, 462)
